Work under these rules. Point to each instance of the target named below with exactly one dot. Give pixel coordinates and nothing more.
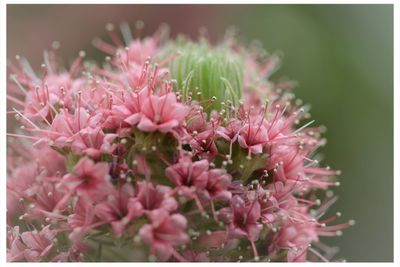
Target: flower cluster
(133, 161)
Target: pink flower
(231, 131)
(130, 111)
(81, 132)
(24, 179)
(93, 142)
(38, 104)
(15, 247)
(81, 220)
(218, 181)
(88, 178)
(38, 244)
(288, 165)
(164, 232)
(295, 236)
(197, 121)
(55, 89)
(119, 209)
(201, 135)
(287, 162)
(188, 175)
(21, 179)
(245, 219)
(50, 161)
(253, 137)
(155, 197)
(162, 113)
(279, 125)
(44, 197)
(276, 202)
(203, 144)
(140, 50)
(83, 214)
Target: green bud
(204, 72)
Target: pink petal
(30, 240)
(257, 149)
(133, 119)
(224, 195)
(179, 221)
(168, 126)
(146, 233)
(147, 125)
(253, 231)
(118, 228)
(105, 212)
(242, 142)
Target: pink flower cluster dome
(133, 160)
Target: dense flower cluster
(130, 162)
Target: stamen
(25, 118)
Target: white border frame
(396, 102)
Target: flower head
(172, 150)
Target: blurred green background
(341, 55)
